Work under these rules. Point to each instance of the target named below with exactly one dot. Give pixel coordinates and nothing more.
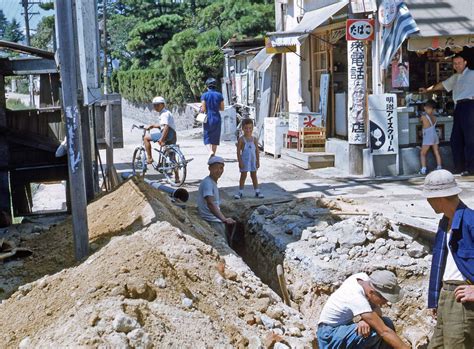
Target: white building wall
(298, 71)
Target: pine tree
(13, 32)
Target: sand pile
(158, 277)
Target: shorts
(170, 139)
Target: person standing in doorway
(430, 137)
(212, 102)
(462, 135)
(249, 158)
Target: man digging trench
(360, 296)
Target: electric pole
(26, 12)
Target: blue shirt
(462, 248)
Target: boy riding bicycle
(167, 134)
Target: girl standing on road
(430, 137)
(249, 158)
(212, 101)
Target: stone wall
(183, 116)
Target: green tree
(175, 86)
(13, 32)
(119, 28)
(3, 24)
(201, 63)
(43, 38)
(147, 38)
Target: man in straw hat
(360, 296)
(451, 293)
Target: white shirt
(348, 301)
(208, 188)
(451, 271)
(166, 118)
(462, 85)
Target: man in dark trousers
(450, 292)
(462, 135)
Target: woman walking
(212, 101)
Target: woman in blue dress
(212, 102)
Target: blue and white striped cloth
(394, 35)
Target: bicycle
(171, 161)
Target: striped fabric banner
(394, 35)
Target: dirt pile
(149, 283)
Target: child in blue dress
(249, 158)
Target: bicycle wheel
(175, 165)
(139, 162)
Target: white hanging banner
(383, 124)
(356, 92)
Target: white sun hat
(159, 100)
(440, 184)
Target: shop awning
(261, 61)
(442, 23)
(311, 20)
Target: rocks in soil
(124, 323)
(331, 249)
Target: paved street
(399, 196)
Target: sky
(13, 9)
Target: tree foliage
(171, 47)
(43, 38)
(10, 30)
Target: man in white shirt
(360, 296)
(208, 200)
(462, 135)
(167, 133)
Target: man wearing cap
(462, 135)
(361, 296)
(209, 200)
(450, 292)
(167, 133)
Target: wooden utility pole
(112, 176)
(25, 5)
(68, 68)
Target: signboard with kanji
(383, 124)
(297, 121)
(360, 29)
(356, 92)
(363, 6)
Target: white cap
(158, 100)
(215, 160)
(440, 184)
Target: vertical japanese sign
(383, 124)
(356, 92)
(323, 96)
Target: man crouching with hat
(451, 293)
(360, 296)
(209, 200)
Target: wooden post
(67, 62)
(5, 205)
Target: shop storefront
(318, 47)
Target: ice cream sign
(360, 29)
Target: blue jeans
(346, 337)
